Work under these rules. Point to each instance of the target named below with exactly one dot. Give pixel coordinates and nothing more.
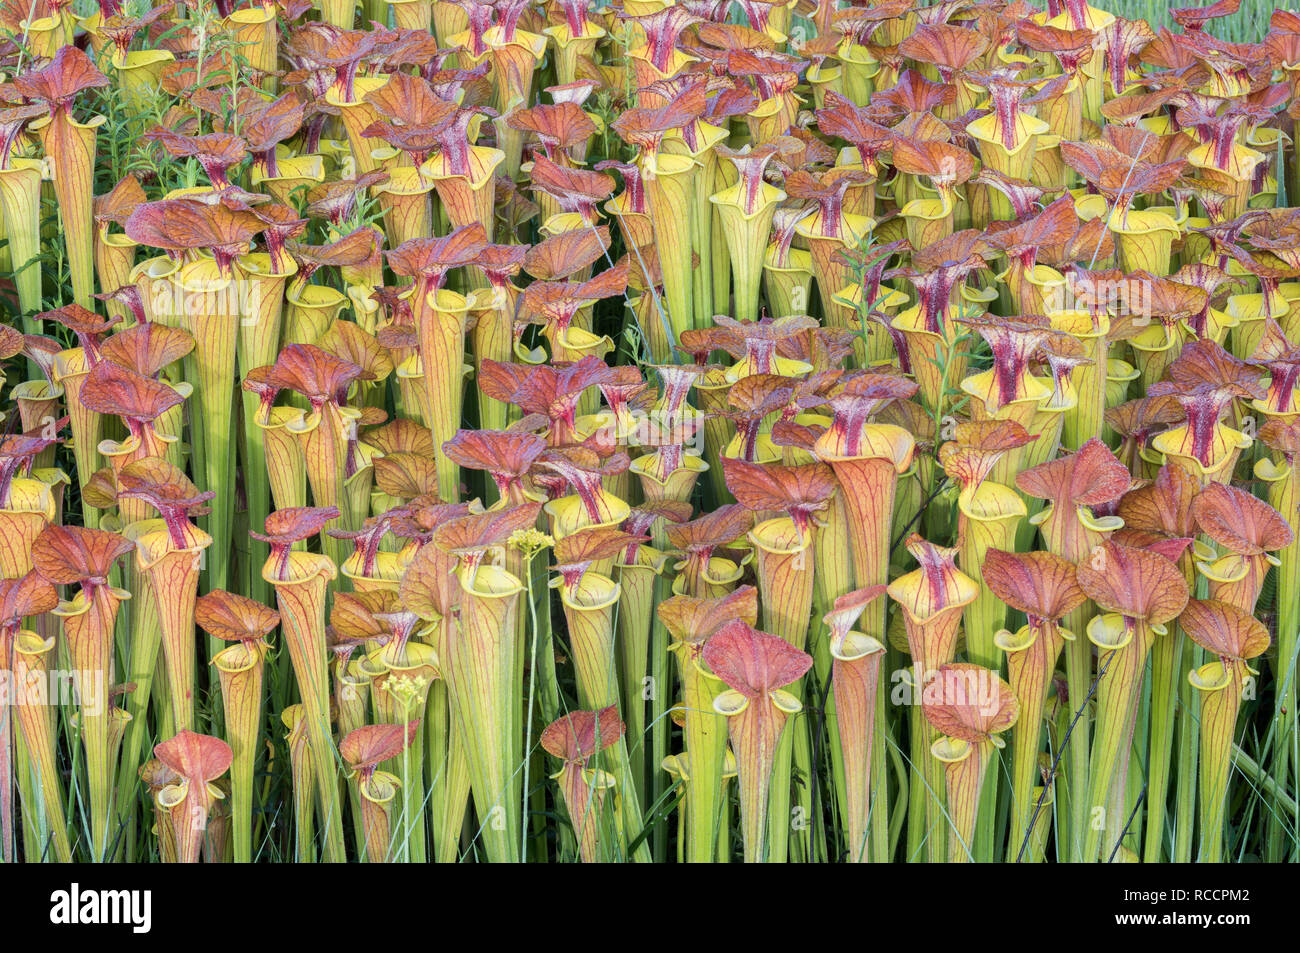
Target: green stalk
(450, 786)
(1126, 644)
(441, 323)
(211, 315)
(990, 515)
(964, 765)
(239, 668)
(1031, 660)
(705, 735)
(1258, 776)
(855, 689)
(1220, 695)
(1084, 420)
(70, 147)
(259, 340)
(1284, 496)
(20, 203)
(35, 826)
(702, 238)
(755, 733)
(31, 653)
(1189, 728)
(71, 368)
(480, 670)
(784, 566)
(635, 620)
(409, 682)
(670, 184)
(352, 702)
(884, 828)
(145, 644)
(1165, 668)
(932, 791)
(660, 681)
(301, 598)
(588, 609)
(303, 772)
(1072, 817)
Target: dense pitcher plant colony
(447, 430)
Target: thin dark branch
(919, 513)
(1051, 772)
(1142, 796)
